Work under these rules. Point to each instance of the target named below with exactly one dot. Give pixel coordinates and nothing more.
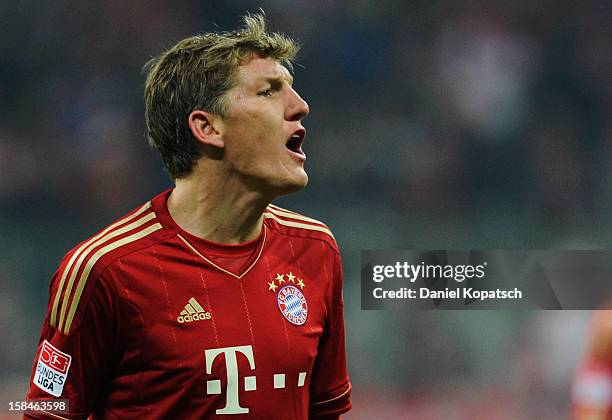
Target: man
(592, 388)
(207, 301)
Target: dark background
(434, 125)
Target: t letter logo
(232, 405)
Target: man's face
(262, 130)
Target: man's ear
(204, 127)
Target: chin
(292, 185)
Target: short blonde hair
(195, 74)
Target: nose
(298, 108)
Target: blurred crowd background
(434, 125)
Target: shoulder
(290, 223)
(81, 267)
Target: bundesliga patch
(292, 304)
(52, 369)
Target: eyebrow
(277, 80)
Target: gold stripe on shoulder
(335, 398)
(53, 318)
(135, 224)
(299, 225)
(286, 213)
(275, 207)
(92, 261)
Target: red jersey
(592, 388)
(148, 321)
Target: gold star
(280, 278)
(301, 283)
(290, 276)
(272, 286)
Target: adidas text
(195, 317)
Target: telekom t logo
(232, 405)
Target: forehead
(261, 69)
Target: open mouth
(294, 144)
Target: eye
(267, 92)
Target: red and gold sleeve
(330, 390)
(75, 365)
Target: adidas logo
(193, 312)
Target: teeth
(295, 136)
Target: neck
(219, 210)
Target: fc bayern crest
(292, 304)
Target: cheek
(248, 149)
